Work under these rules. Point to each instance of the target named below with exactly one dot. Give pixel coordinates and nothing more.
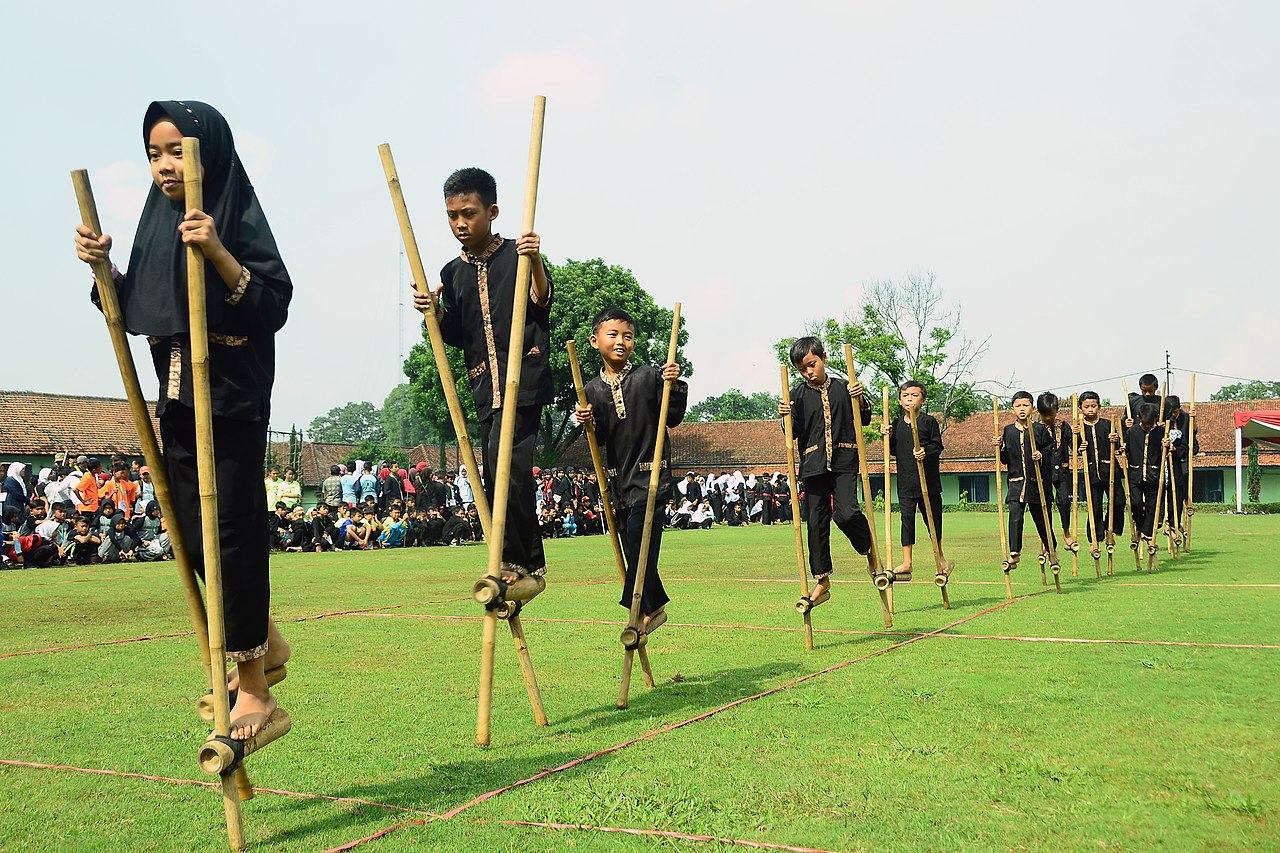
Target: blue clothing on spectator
(349, 495)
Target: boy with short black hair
(1025, 449)
(911, 397)
(1144, 442)
(475, 302)
(822, 410)
(624, 402)
(84, 544)
(1048, 405)
(1098, 443)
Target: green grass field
(975, 738)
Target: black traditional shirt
(1143, 450)
(1096, 444)
(1061, 431)
(1015, 452)
(822, 423)
(625, 411)
(902, 447)
(478, 298)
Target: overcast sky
(1093, 182)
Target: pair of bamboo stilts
(635, 635)
(219, 756)
(880, 575)
(1051, 551)
(501, 601)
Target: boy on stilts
(1098, 443)
(822, 410)
(1048, 405)
(1144, 444)
(624, 404)
(911, 397)
(474, 306)
(1026, 449)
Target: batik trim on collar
(481, 263)
(615, 388)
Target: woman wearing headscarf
(14, 488)
(247, 302)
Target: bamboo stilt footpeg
(220, 755)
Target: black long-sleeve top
(903, 448)
(1095, 443)
(479, 323)
(1020, 487)
(1143, 450)
(625, 413)
(242, 349)
(1061, 432)
(823, 425)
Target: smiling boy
(624, 402)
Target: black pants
(1104, 513)
(238, 449)
(631, 528)
(910, 505)
(832, 497)
(1062, 490)
(1015, 524)
(522, 542)
(1144, 506)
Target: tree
(402, 425)
(903, 330)
(1253, 390)
(733, 405)
(349, 424)
(426, 395)
(1253, 474)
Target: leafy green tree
(733, 405)
(903, 330)
(427, 403)
(1253, 475)
(401, 424)
(349, 424)
(1240, 391)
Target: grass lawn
(997, 733)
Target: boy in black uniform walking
(1025, 448)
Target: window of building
(977, 487)
(1206, 487)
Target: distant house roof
(757, 446)
(36, 423)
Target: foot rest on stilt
(220, 755)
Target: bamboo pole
(1112, 447)
(1091, 526)
(1005, 563)
(1075, 481)
(1153, 560)
(193, 183)
(888, 493)
(597, 462)
(506, 436)
(141, 414)
(793, 485)
(941, 571)
(1044, 508)
(632, 636)
(1135, 535)
(438, 350)
(878, 571)
(1191, 468)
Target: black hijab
(157, 278)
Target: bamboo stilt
(1191, 468)
(1091, 527)
(1153, 561)
(1004, 531)
(438, 350)
(207, 475)
(888, 493)
(606, 499)
(788, 429)
(1050, 548)
(526, 669)
(142, 424)
(1112, 446)
(1135, 535)
(1075, 486)
(941, 570)
(878, 570)
(496, 534)
(650, 508)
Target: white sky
(1094, 182)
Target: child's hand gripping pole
(597, 462)
(496, 534)
(1005, 562)
(632, 635)
(942, 571)
(882, 577)
(438, 350)
(208, 485)
(804, 605)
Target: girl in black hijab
(247, 298)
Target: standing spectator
(368, 486)
(331, 490)
(290, 490)
(466, 495)
(14, 489)
(146, 489)
(135, 470)
(272, 485)
(120, 490)
(87, 488)
(350, 487)
(392, 491)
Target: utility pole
(1166, 371)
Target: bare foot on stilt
(250, 712)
